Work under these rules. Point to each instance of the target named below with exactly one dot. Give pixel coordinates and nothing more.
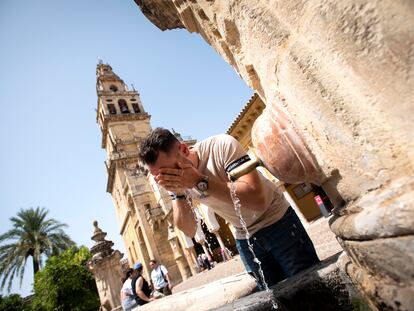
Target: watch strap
(178, 197)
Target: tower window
(136, 108)
(123, 106)
(133, 100)
(111, 108)
(113, 88)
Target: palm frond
(32, 235)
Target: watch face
(202, 186)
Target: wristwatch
(202, 186)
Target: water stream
(237, 208)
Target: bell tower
(120, 113)
(142, 208)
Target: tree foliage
(32, 235)
(13, 302)
(65, 283)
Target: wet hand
(170, 179)
(178, 179)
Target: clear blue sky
(51, 152)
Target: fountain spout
(245, 167)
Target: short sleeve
(230, 150)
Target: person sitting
(127, 297)
(140, 287)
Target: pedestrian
(206, 261)
(140, 287)
(201, 262)
(127, 297)
(279, 240)
(160, 278)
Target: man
(279, 240)
(140, 288)
(160, 278)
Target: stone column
(106, 268)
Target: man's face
(168, 160)
(152, 265)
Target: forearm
(142, 295)
(184, 217)
(249, 189)
(250, 194)
(167, 276)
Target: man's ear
(184, 149)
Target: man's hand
(171, 180)
(177, 180)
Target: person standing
(160, 278)
(206, 262)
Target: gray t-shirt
(215, 154)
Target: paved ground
(221, 285)
(227, 282)
(319, 232)
(221, 270)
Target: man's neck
(193, 156)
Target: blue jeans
(283, 248)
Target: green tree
(32, 235)
(13, 302)
(65, 283)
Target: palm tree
(32, 235)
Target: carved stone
(341, 75)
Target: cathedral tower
(142, 208)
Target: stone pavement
(227, 282)
(221, 270)
(207, 290)
(322, 287)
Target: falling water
(197, 217)
(237, 207)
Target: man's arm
(184, 217)
(138, 290)
(167, 276)
(249, 189)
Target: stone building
(143, 209)
(337, 79)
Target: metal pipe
(246, 167)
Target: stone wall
(341, 73)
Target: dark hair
(128, 273)
(158, 140)
(153, 261)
